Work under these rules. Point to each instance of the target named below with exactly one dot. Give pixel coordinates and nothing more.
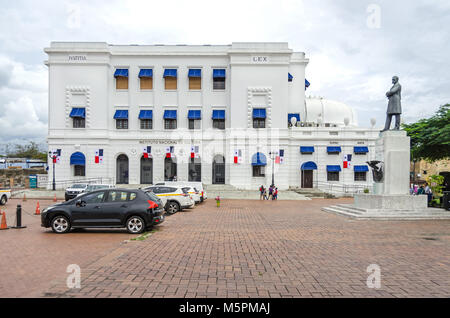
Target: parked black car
(133, 209)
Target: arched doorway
(170, 169)
(218, 170)
(122, 169)
(307, 174)
(146, 170)
(195, 170)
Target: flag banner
(56, 154)
(147, 151)
(195, 152)
(238, 157)
(169, 151)
(98, 158)
(281, 157)
(277, 159)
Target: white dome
(320, 110)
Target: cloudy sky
(354, 46)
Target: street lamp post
(53, 157)
(272, 155)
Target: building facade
(220, 114)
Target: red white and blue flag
(99, 156)
(170, 151)
(238, 156)
(56, 155)
(147, 152)
(194, 152)
(280, 158)
(347, 161)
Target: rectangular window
(259, 123)
(219, 83)
(80, 171)
(79, 122)
(194, 124)
(170, 124)
(195, 83)
(333, 176)
(360, 176)
(146, 124)
(121, 82)
(170, 83)
(121, 123)
(219, 123)
(146, 82)
(258, 171)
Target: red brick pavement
(31, 258)
(272, 249)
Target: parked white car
(198, 186)
(74, 190)
(5, 195)
(193, 192)
(176, 198)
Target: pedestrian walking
(270, 193)
(429, 193)
(265, 195)
(275, 194)
(261, 192)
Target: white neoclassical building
(220, 114)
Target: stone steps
(425, 214)
(252, 195)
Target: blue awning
(121, 114)
(290, 77)
(361, 168)
(334, 149)
(309, 166)
(361, 149)
(290, 116)
(78, 113)
(121, 72)
(170, 72)
(333, 168)
(219, 73)
(195, 73)
(218, 114)
(146, 72)
(195, 114)
(146, 114)
(307, 83)
(259, 159)
(306, 149)
(170, 114)
(77, 158)
(259, 113)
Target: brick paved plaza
(242, 249)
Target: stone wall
(18, 178)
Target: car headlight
(47, 209)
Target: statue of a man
(395, 106)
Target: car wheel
(60, 224)
(135, 225)
(172, 207)
(3, 200)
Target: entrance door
(307, 179)
(122, 169)
(146, 170)
(170, 169)
(195, 170)
(218, 170)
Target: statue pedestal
(391, 198)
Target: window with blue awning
(121, 72)
(334, 149)
(259, 113)
(290, 116)
(121, 114)
(146, 114)
(309, 166)
(195, 73)
(306, 149)
(78, 113)
(146, 72)
(78, 158)
(218, 114)
(290, 77)
(361, 150)
(333, 168)
(259, 159)
(219, 73)
(170, 72)
(361, 168)
(170, 114)
(195, 114)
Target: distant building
(422, 170)
(213, 113)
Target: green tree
(30, 151)
(430, 137)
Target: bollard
(218, 201)
(19, 218)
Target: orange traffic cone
(54, 199)
(3, 226)
(24, 197)
(38, 209)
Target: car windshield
(78, 186)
